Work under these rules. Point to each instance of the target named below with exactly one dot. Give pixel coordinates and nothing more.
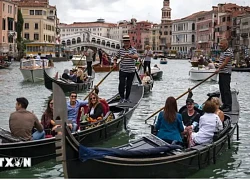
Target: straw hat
(125, 38)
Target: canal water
(234, 163)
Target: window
(223, 19)
(26, 26)
(38, 12)
(36, 25)
(4, 24)
(36, 36)
(3, 6)
(27, 36)
(9, 9)
(31, 12)
(51, 11)
(10, 24)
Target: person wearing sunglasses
(73, 106)
(95, 108)
(190, 117)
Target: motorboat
(199, 74)
(32, 69)
(79, 60)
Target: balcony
(204, 29)
(244, 35)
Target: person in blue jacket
(169, 125)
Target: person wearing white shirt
(209, 124)
(147, 61)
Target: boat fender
(228, 141)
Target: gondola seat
(7, 137)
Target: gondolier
(148, 55)
(225, 70)
(128, 54)
(89, 58)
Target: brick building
(8, 16)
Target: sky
(69, 11)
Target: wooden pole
(102, 80)
(181, 96)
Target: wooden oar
(102, 80)
(79, 62)
(181, 96)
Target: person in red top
(104, 103)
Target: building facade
(154, 37)
(184, 34)
(99, 27)
(8, 16)
(40, 20)
(139, 34)
(205, 23)
(166, 26)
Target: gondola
(241, 69)
(67, 86)
(156, 73)
(89, 134)
(104, 68)
(4, 63)
(148, 157)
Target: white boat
(199, 74)
(32, 69)
(79, 60)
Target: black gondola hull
(67, 87)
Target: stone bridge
(77, 42)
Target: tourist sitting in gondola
(95, 108)
(105, 60)
(210, 65)
(219, 112)
(73, 106)
(23, 122)
(209, 124)
(81, 77)
(146, 78)
(47, 120)
(73, 75)
(105, 105)
(169, 124)
(191, 117)
(65, 74)
(48, 123)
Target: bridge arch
(118, 46)
(93, 40)
(73, 41)
(103, 42)
(68, 42)
(108, 44)
(63, 43)
(78, 40)
(98, 41)
(113, 45)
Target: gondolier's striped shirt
(126, 64)
(223, 56)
